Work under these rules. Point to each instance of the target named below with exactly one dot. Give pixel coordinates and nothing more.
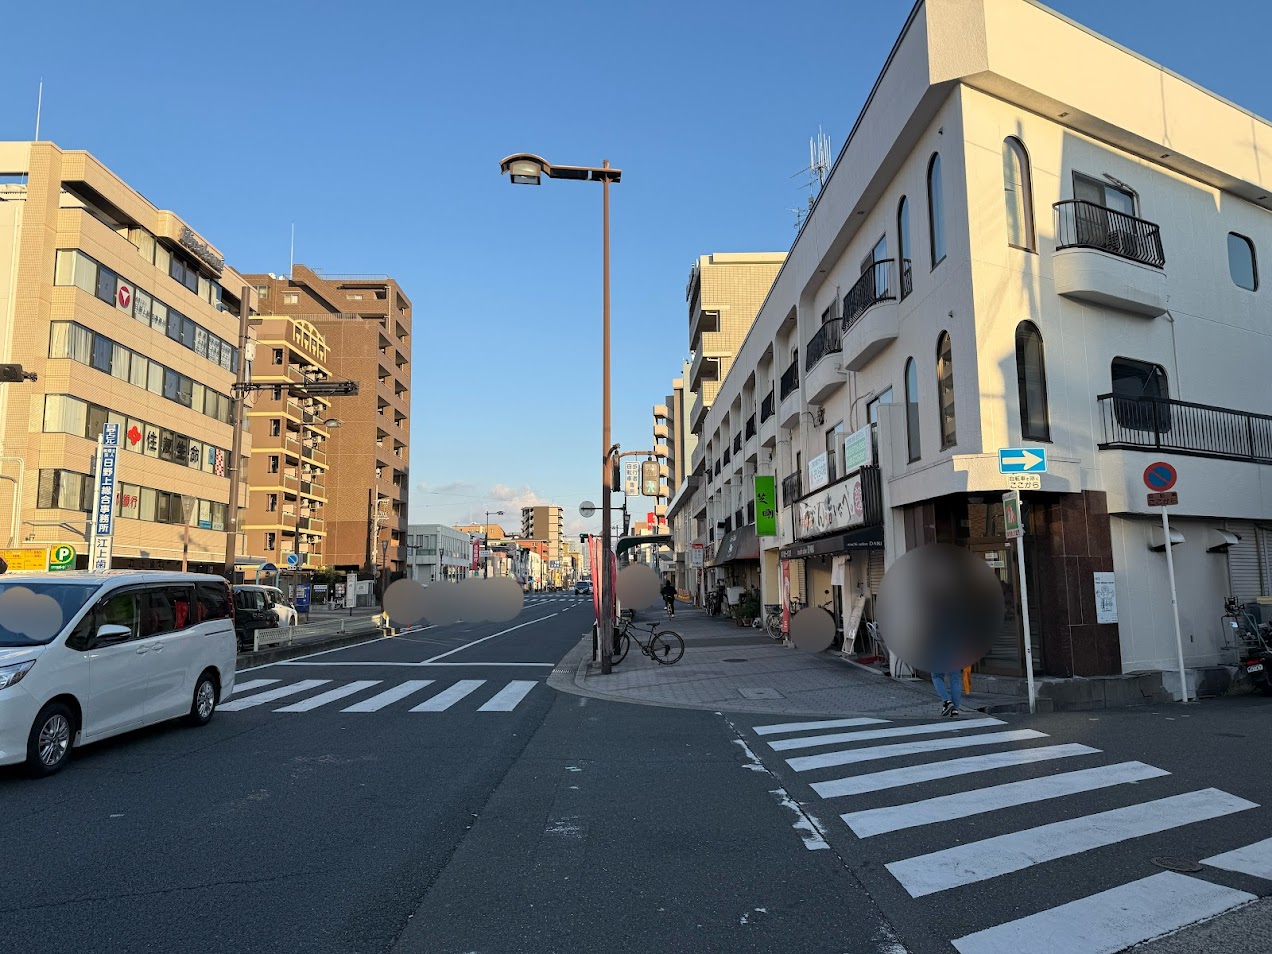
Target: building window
(872, 417)
(904, 245)
(278, 355)
(1019, 195)
(1031, 378)
(1137, 387)
(291, 298)
(275, 427)
(1107, 195)
(834, 440)
(271, 503)
(1241, 263)
(271, 541)
(912, 409)
(273, 464)
(936, 210)
(945, 389)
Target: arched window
(945, 389)
(1241, 263)
(1031, 379)
(1019, 194)
(936, 210)
(903, 241)
(912, 409)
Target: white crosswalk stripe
(389, 696)
(505, 699)
(448, 697)
(1101, 923)
(248, 702)
(240, 687)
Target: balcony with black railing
(768, 407)
(749, 429)
(737, 443)
(872, 320)
(1109, 258)
(791, 489)
(827, 340)
(790, 380)
(1182, 427)
(824, 375)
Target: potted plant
(746, 609)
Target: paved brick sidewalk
(730, 668)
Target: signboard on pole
(1022, 460)
(631, 478)
(765, 506)
(1011, 515)
(695, 556)
(104, 507)
(62, 557)
(818, 472)
(302, 597)
(1170, 499)
(1160, 477)
(858, 450)
(26, 559)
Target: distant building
(438, 552)
(547, 523)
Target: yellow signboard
(26, 559)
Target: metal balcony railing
(877, 283)
(768, 407)
(790, 380)
(1197, 430)
(727, 455)
(828, 340)
(750, 427)
(737, 443)
(792, 489)
(1083, 224)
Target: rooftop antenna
(39, 102)
(817, 171)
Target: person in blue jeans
(951, 694)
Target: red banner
(476, 555)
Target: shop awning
(865, 538)
(739, 544)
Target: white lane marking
(448, 697)
(980, 860)
(1110, 921)
(251, 684)
(809, 828)
(804, 726)
(950, 725)
(271, 694)
(416, 665)
(877, 821)
(331, 695)
(389, 696)
(506, 699)
(1255, 859)
(932, 771)
(502, 632)
(826, 759)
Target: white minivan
(84, 656)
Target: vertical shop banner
(476, 564)
(104, 506)
(786, 596)
(765, 506)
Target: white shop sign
(839, 507)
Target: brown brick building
(366, 323)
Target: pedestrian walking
(949, 686)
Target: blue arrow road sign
(1022, 460)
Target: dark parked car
(252, 611)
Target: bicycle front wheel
(773, 626)
(623, 642)
(666, 647)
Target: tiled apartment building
(128, 316)
(366, 322)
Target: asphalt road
(430, 793)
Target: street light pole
(236, 450)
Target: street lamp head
(332, 422)
(525, 169)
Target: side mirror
(111, 634)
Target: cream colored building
(1016, 251)
(128, 316)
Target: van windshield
(32, 613)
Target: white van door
(117, 676)
(168, 617)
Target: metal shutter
(1244, 574)
(1264, 537)
(874, 571)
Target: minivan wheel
(204, 703)
(49, 744)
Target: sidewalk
(730, 668)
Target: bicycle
(773, 622)
(664, 646)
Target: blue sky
(226, 115)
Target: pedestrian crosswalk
(340, 696)
(562, 598)
(982, 790)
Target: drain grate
(733, 660)
(1177, 864)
